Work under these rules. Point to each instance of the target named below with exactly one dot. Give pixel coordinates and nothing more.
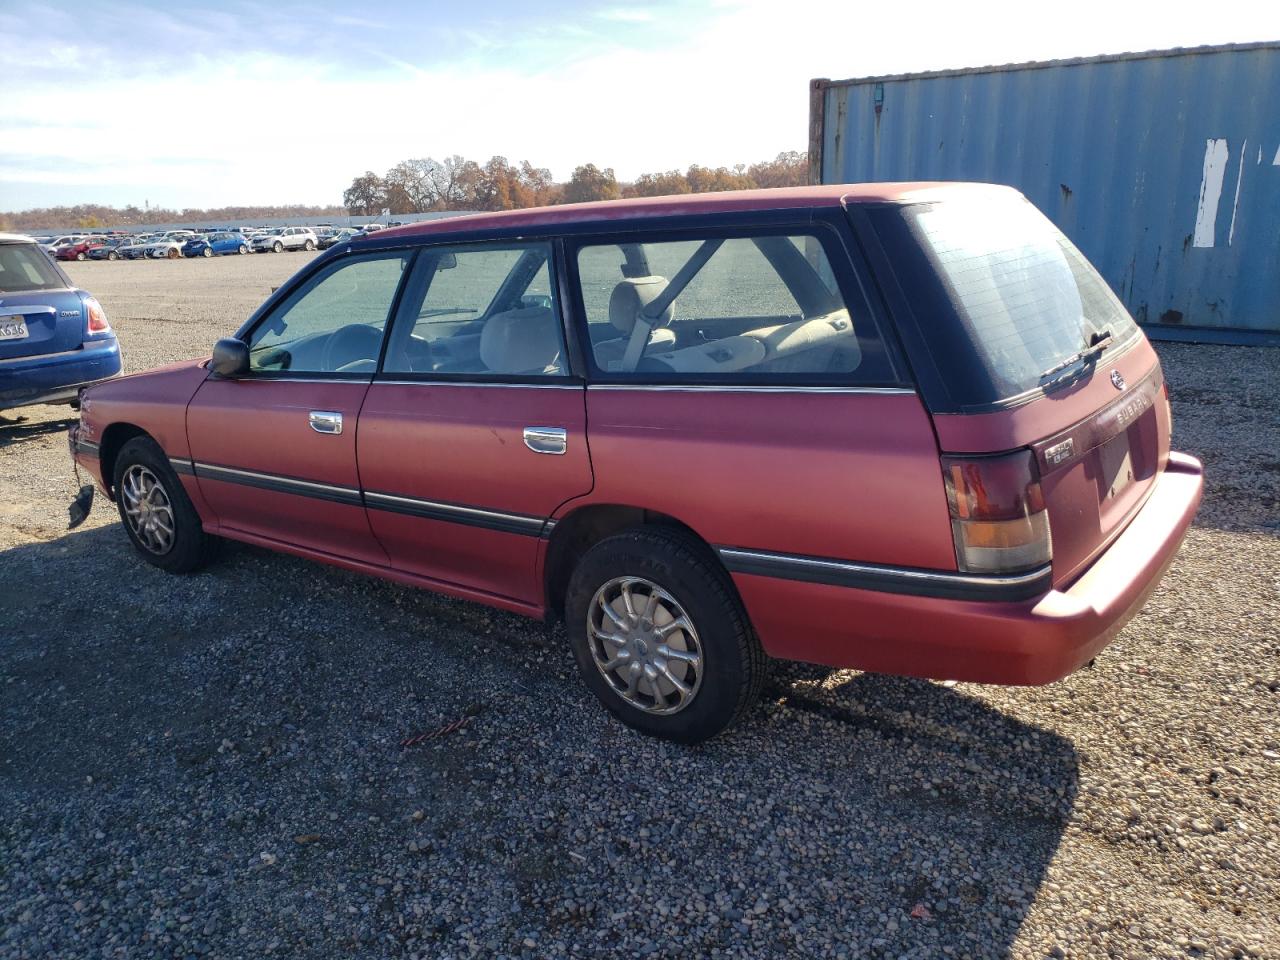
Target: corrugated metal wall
(1164, 168)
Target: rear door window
(24, 267)
(760, 307)
(479, 311)
(1002, 296)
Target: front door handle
(326, 421)
(554, 440)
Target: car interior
(643, 331)
(646, 332)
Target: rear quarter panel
(848, 475)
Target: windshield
(1002, 296)
(24, 267)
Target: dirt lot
(210, 766)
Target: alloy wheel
(147, 509)
(644, 645)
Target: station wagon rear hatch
(1019, 345)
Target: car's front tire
(207, 252)
(156, 512)
(113, 255)
(660, 635)
(81, 257)
(278, 247)
(243, 249)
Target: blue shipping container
(1163, 167)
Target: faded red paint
(848, 475)
(1032, 642)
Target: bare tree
(366, 194)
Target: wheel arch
(582, 528)
(114, 437)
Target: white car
(284, 238)
(169, 248)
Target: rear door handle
(554, 440)
(326, 421)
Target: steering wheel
(349, 344)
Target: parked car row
(177, 244)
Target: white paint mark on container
(1235, 206)
(1260, 154)
(1276, 161)
(1216, 154)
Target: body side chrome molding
(758, 388)
(457, 513)
(280, 484)
(360, 381)
(87, 447)
(943, 584)
(518, 523)
(468, 383)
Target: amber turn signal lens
(998, 518)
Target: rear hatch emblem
(1117, 380)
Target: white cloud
(626, 14)
(721, 85)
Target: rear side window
(24, 266)
(1002, 296)
(731, 309)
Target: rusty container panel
(1163, 167)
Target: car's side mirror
(230, 358)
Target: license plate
(1117, 465)
(13, 328)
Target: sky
(281, 102)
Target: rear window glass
(1002, 296)
(24, 266)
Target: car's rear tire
(81, 257)
(113, 255)
(156, 512)
(173, 254)
(309, 246)
(687, 682)
(278, 247)
(207, 252)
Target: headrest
(520, 341)
(631, 296)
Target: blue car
(216, 244)
(54, 338)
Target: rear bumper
(1031, 641)
(57, 377)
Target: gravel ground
(211, 766)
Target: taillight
(97, 316)
(998, 516)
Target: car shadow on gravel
(14, 430)
(217, 761)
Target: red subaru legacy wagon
(899, 427)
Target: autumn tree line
(423, 185)
(455, 183)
